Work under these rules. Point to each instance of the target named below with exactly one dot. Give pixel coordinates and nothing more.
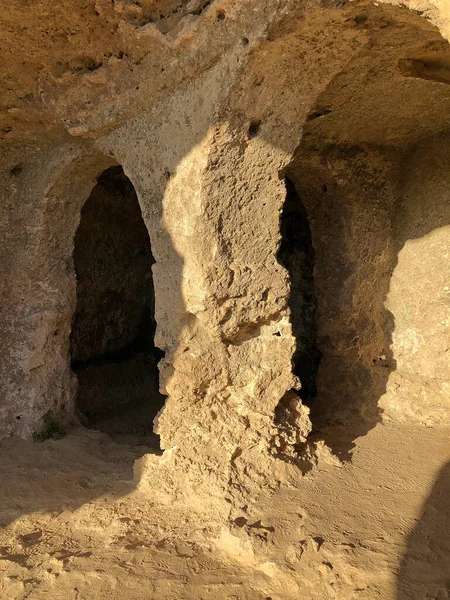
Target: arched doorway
(112, 339)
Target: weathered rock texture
(111, 342)
(222, 114)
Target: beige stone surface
(208, 107)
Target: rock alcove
(112, 339)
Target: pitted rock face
(225, 247)
(211, 108)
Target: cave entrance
(296, 254)
(112, 340)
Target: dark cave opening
(112, 340)
(296, 254)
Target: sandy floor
(75, 527)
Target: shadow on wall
(347, 328)
(345, 351)
(425, 566)
(66, 473)
(356, 355)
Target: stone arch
(49, 387)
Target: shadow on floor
(425, 568)
(64, 474)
